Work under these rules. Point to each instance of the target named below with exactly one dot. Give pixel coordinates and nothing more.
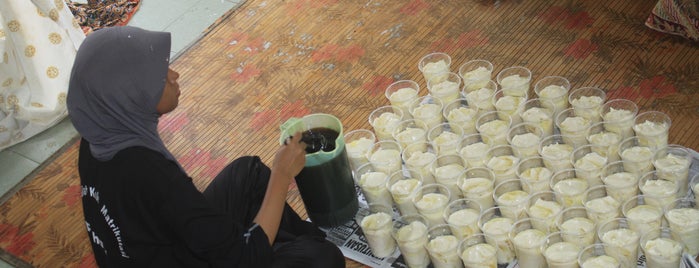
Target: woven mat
(268, 61)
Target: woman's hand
(291, 157)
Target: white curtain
(38, 42)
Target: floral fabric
(678, 17)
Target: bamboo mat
(268, 61)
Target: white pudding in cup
(377, 229)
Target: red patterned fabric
(678, 17)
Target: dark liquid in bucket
(327, 189)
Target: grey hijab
(117, 80)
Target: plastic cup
(420, 158)
(443, 247)
(560, 253)
(384, 120)
(385, 156)
(482, 97)
(402, 94)
(556, 152)
(573, 127)
(448, 170)
(595, 256)
(410, 233)
(640, 216)
(447, 87)
(672, 163)
(554, 89)
(410, 131)
(459, 114)
(621, 184)
(377, 227)
(587, 102)
(605, 143)
(588, 164)
(430, 201)
(682, 216)
(535, 112)
(434, 65)
(478, 184)
(373, 185)
(515, 80)
(475, 73)
(535, 176)
(445, 139)
(600, 206)
(652, 129)
(511, 105)
(543, 210)
(658, 191)
(403, 188)
(462, 217)
(525, 139)
(493, 127)
(619, 116)
(636, 157)
(576, 227)
(527, 242)
(475, 252)
(496, 229)
(661, 249)
(569, 189)
(473, 150)
(511, 199)
(502, 162)
(358, 142)
(620, 241)
(695, 187)
(428, 109)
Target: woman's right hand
(291, 157)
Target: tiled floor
(185, 19)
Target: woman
(140, 207)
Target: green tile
(13, 169)
(45, 144)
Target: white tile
(13, 169)
(45, 144)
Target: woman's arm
(288, 162)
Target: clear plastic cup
(462, 217)
(600, 206)
(502, 162)
(428, 109)
(373, 185)
(554, 89)
(535, 112)
(525, 139)
(475, 252)
(402, 94)
(569, 188)
(594, 256)
(443, 247)
(475, 73)
(410, 233)
(535, 176)
(473, 150)
(556, 152)
(430, 201)
(478, 184)
(493, 127)
(652, 129)
(447, 87)
(420, 158)
(640, 216)
(619, 116)
(658, 191)
(410, 131)
(621, 184)
(527, 242)
(385, 156)
(496, 229)
(384, 120)
(445, 138)
(560, 253)
(511, 199)
(543, 210)
(448, 170)
(636, 157)
(572, 127)
(694, 183)
(672, 163)
(588, 164)
(605, 143)
(587, 102)
(620, 241)
(515, 80)
(482, 97)
(403, 188)
(576, 227)
(511, 105)
(377, 227)
(459, 114)
(661, 249)
(682, 216)
(434, 65)
(358, 142)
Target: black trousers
(240, 188)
